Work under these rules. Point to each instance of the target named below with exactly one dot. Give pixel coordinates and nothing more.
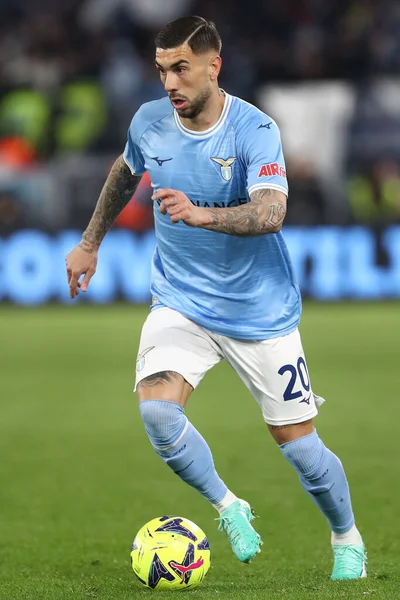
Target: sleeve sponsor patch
(271, 170)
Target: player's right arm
(118, 189)
(115, 195)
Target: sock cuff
(308, 438)
(167, 404)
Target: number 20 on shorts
(298, 377)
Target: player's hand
(178, 206)
(82, 260)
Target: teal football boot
(236, 522)
(350, 562)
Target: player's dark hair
(201, 35)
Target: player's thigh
(174, 355)
(164, 385)
(275, 371)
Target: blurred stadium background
(72, 74)
(77, 477)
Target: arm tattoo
(264, 214)
(156, 378)
(115, 195)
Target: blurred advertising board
(331, 263)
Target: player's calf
(182, 447)
(186, 452)
(323, 478)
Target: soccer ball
(170, 553)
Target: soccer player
(222, 283)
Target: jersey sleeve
(132, 153)
(263, 155)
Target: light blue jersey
(241, 287)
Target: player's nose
(171, 82)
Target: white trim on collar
(207, 132)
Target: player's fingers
(163, 208)
(73, 284)
(173, 209)
(168, 202)
(69, 276)
(160, 194)
(163, 193)
(180, 216)
(78, 286)
(86, 280)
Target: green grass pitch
(78, 476)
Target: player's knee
(164, 421)
(304, 454)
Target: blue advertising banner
(331, 263)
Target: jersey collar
(207, 132)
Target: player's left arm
(264, 214)
(261, 150)
(260, 147)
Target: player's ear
(215, 67)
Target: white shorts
(274, 371)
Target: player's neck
(210, 115)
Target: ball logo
(272, 169)
(182, 569)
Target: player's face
(187, 78)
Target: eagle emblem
(226, 167)
(141, 358)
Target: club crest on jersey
(226, 167)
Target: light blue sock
(182, 447)
(322, 476)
